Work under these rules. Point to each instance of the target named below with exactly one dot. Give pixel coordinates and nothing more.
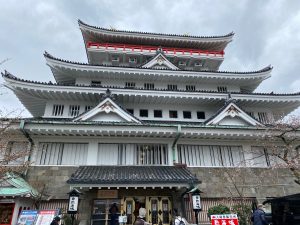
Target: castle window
(260, 157)
(158, 113)
(210, 155)
(149, 86)
(190, 87)
(182, 63)
(132, 154)
(58, 110)
(173, 114)
(88, 107)
(222, 89)
(143, 113)
(132, 60)
(200, 115)
(115, 59)
(187, 114)
(251, 114)
(52, 153)
(198, 64)
(131, 111)
(95, 83)
(129, 84)
(172, 87)
(263, 117)
(74, 110)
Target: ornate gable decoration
(107, 111)
(160, 62)
(232, 115)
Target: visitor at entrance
(141, 218)
(113, 214)
(179, 220)
(55, 221)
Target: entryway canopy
(132, 176)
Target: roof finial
(108, 94)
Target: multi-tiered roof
(116, 57)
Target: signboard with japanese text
(226, 219)
(73, 204)
(196, 202)
(45, 217)
(27, 217)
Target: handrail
(154, 48)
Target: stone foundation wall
(250, 182)
(52, 180)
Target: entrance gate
(159, 209)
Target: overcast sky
(266, 32)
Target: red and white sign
(226, 219)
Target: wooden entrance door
(159, 210)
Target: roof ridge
(10, 76)
(80, 22)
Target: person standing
(55, 221)
(113, 214)
(258, 217)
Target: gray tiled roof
(132, 175)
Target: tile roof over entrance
(132, 175)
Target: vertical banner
(45, 217)
(27, 217)
(226, 219)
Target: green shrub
(67, 220)
(218, 210)
(243, 212)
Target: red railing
(149, 48)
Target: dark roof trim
(10, 76)
(132, 175)
(266, 69)
(158, 34)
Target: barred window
(88, 107)
(74, 110)
(190, 87)
(132, 154)
(222, 89)
(263, 117)
(149, 86)
(55, 153)
(129, 84)
(210, 155)
(172, 87)
(58, 110)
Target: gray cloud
(266, 32)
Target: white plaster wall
(159, 83)
(108, 117)
(235, 121)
